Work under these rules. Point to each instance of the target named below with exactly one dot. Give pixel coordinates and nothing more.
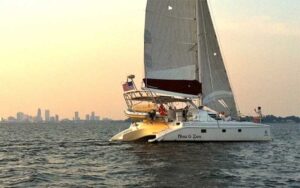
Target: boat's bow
(141, 131)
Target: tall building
(47, 115)
(76, 118)
(92, 116)
(56, 118)
(39, 117)
(20, 116)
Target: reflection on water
(80, 155)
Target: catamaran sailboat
(186, 95)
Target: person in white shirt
(171, 114)
(259, 113)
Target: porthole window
(223, 130)
(203, 130)
(240, 130)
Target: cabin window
(240, 130)
(203, 130)
(223, 130)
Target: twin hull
(195, 131)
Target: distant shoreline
(64, 123)
(276, 119)
(269, 119)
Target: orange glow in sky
(73, 55)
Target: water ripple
(81, 156)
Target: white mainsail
(171, 46)
(182, 51)
(171, 39)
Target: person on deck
(152, 115)
(222, 116)
(259, 114)
(171, 114)
(162, 110)
(185, 113)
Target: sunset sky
(73, 55)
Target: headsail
(171, 46)
(216, 90)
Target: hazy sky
(67, 55)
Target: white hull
(203, 132)
(227, 131)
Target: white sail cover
(216, 90)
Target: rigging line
(207, 54)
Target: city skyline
(66, 55)
(38, 118)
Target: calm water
(81, 156)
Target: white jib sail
(216, 91)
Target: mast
(198, 66)
(198, 69)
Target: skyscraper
(56, 118)
(76, 118)
(47, 115)
(20, 116)
(39, 117)
(92, 116)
